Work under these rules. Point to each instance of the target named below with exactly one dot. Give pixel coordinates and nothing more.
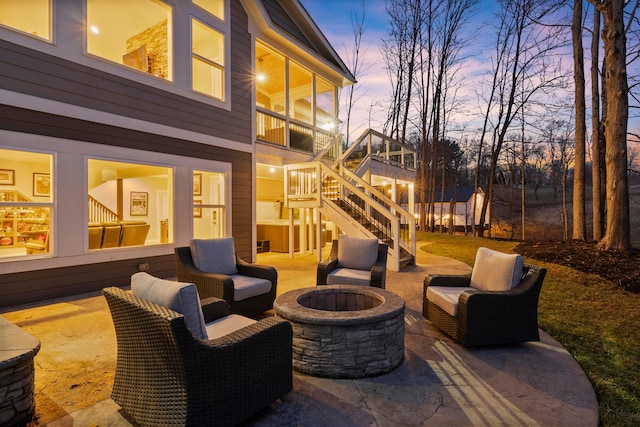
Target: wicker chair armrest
(461, 280)
(378, 275)
(324, 268)
(256, 270)
(211, 284)
(512, 302)
(214, 308)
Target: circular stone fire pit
(344, 331)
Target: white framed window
(207, 60)
(137, 34)
(26, 203)
(33, 17)
(129, 204)
(209, 204)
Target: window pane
(270, 80)
(214, 7)
(208, 60)
(300, 93)
(325, 105)
(26, 203)
(134, 33)
(30, 16)
(208, 205)
(129, 204)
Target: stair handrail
(321, 156)
(309, 190)
(410, 220)
(98, 212)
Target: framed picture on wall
(197, 211)
(41, 184)
(139, 203)
(197, 184)
(7, 177)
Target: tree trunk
(579, 224)
(597, 142)
(618, 233)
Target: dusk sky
(374, 88)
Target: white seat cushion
(214, 255)
(349, 276)
(357, 253)
(225, 325)
(180, 297)
(496, 271)
(446, 297)
(246, 287)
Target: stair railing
(392, 224)
(100, 213)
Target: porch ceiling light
(260, 75)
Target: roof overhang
(288, 25)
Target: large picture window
(130, 204)
(32, 17)
(137, 34)
(208, 204)
(26, 203)
(207, 60)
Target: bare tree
(529, 47)
(579, 220)
(354, 62)
(618, 232)
(597, 135)
(405, 20)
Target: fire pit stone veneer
(344, 331)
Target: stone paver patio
(439, 383)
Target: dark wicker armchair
(167, 377)
(332, 264)
(489, 317)
(222, 286)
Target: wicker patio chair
(167, 377)
(486, 317)
(221, 285)
(341, 267)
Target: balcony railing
(276, 129)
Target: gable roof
(293, 21)
(460, 194)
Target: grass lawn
(598, 323)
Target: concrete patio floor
(440, 383)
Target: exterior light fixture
(260, 76)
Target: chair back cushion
(357, 253)
(496, 271)
(214, 255)
(180, 297)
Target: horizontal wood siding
(45, 76)
(31, 286)
(38, 74)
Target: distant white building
(455, 207)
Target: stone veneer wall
(17, 403)
(344, 331)
(156, 40)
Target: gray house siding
(52, 78)
(45, 76)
